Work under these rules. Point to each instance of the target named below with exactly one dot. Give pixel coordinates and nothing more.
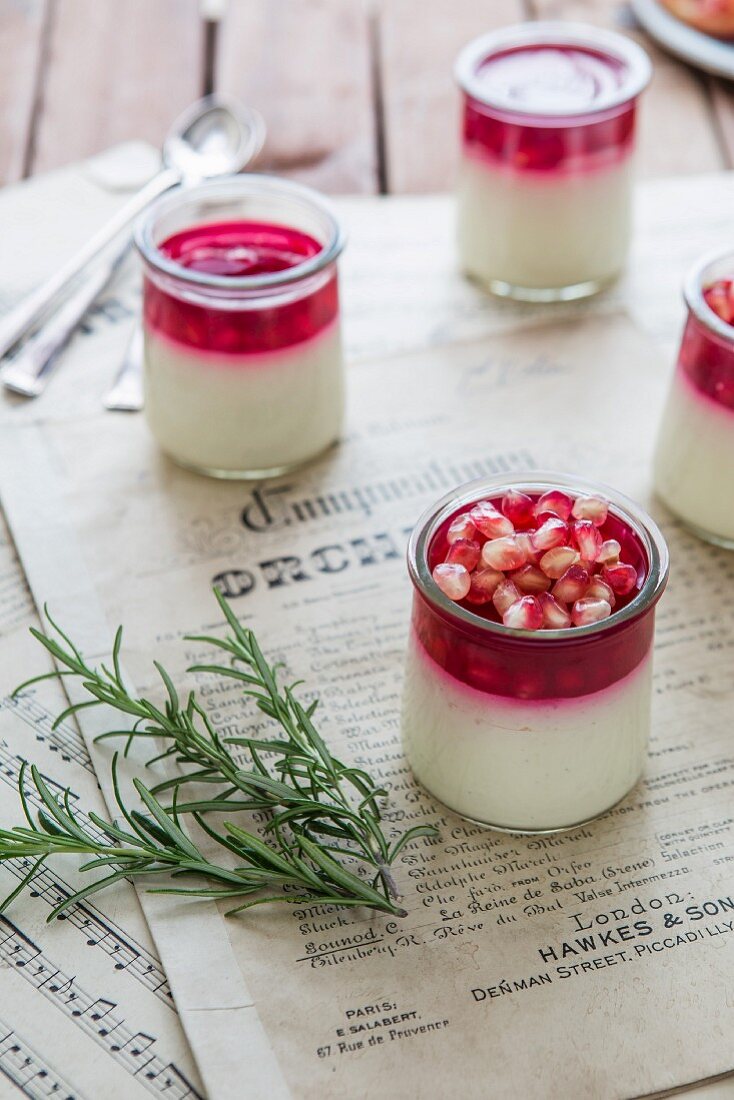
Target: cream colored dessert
(694, 460)
(541, 765)
(262, 412)
(539, 233)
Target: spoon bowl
(216, 136)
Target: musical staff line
(25, 1067)
(97, 1017)
(65, 740)
(97, 929)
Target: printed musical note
(98, 1017)
(97, 929)
(25, 1067)
(65, 740)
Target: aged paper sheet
(593, 963)
(86, 1007)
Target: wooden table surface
(357, 94)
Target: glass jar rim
(235, 185)
(616, 46)
(533, 481)
(693, 285)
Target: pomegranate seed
(555, 616)
(555, 501)
(718, 299)
(609, 552)
(552, 533)
(464, 552)
(588, 539)
(518, 507)
(483, 585)
(620, 577)
(505, 553)
(524, 540)
(461, 528)
(572, 584)
(532, 580)
(524, 614)
(490, 521)
(555, 562)
(590, 610)
(505, 595)
(593, 508)
(600, 590)
(453, 580)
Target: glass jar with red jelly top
(545, 177)
(541, 725)
(694, 460)
(243, 356)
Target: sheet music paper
(86, 1007)
(581, 964)
(416, 300)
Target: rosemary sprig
(324, 840)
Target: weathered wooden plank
(722, 100)
(418, 43)
(677, 134)
(115, 71)
(305, 64)
(21, 36)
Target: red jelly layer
(707, 360)
(235, 250)
(518, 137)
(527, 665)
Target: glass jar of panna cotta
(527, 692)
(545, 178)
(694, 460)
(243, 357)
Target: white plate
(701, 50)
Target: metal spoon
(215, 136)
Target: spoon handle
(126, 392)
(19, 320)
(29, 371)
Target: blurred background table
(357, 94)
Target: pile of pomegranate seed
(556, 571)
(720, 298)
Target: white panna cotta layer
(260, 412)
(524, 765)
(541, 231)
(694, 461)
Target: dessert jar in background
(545, 178)
(243, 357)
(541, 725)
(694, 460)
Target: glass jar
(243, 358)
(694, 460)
(530, 730)
(545, 183)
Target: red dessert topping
(505, 553)
(465, 552)
(453, 580)
(233, 250)
(524, 614)
(519, 508)
(489, 521)
(484, 583)
(555, 501)
(553, 532)
(240, 248)
(590, 610)
(720, 298)
(533, 579)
